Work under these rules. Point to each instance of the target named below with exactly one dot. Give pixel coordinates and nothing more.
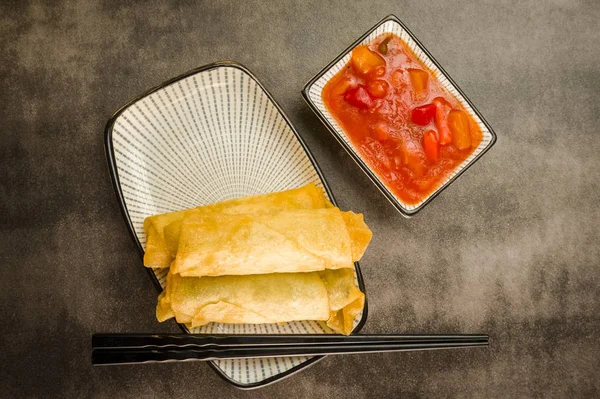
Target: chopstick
(110, 349)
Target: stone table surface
(511, 249)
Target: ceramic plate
(313, 89)
(210, 135)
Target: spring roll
(292, 241)
(346, 301)
(157, 254)
(329, 296)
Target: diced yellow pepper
(458, 121)
(419, 79)
(364, 60)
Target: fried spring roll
(330, 296)
(291, 241)
(157, 254)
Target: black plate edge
(112, 168)
(363, 166)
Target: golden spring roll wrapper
(283, 242)
(360, 234)
(156, 254)
(171, 234)
(346, 301)
(329, 296)
(306, 197)
(160, 251)
(163, 309)
(253, 299)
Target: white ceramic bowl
(210, 135)
(312, 93)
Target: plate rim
(114, 176)
(355, 156)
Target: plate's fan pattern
(213, 134)
(313, 94)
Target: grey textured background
(512, 248)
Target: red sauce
(374, 97)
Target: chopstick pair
(111, 349)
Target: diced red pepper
(442, 108)
(423, 115)
(364, 60)
(431, 145)
(359, 97)
(458, 121)
(419, 79)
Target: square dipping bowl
(313, 90)
(212, 134)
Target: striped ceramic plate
(313, 89)
(210, 135)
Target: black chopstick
(144, 348)
(202, 340)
